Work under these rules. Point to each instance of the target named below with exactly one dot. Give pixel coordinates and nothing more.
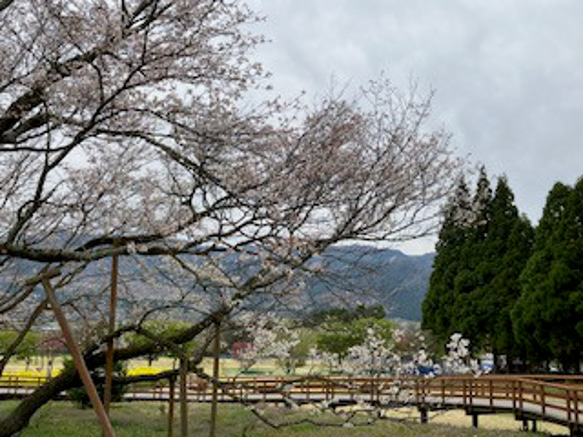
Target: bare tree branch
(5, 4)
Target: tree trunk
(495, 361)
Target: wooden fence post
(543, 398)
(443, 390)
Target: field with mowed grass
(63, 419)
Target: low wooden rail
(556, 398)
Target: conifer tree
(548, 318)
(438, 314)
(473, 272)
(481, 206)
(479, 259)
(504, 251)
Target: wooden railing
(527, 396)
(519, 391)
(558, 397)
(16, 384)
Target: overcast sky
(508, 73)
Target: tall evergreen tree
(548, 318)
(503, 251)
(472, 273)
(482, 206)
(475, 283)
(438, 306)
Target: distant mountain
(349, 275)
(363, 274)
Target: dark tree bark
(5, 3)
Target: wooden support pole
(423, 414)
(216, 359)
(475, 420)
(172, 383)
(79, 361)
(183, 374)
(111, 328)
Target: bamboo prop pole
(183, 374)
(79, 361)
(110, 343)
(172, 383)
(216, 358)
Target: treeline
(513, 290)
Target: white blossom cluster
(458, 359)
(271, 338)
(375, 355)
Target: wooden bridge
(556, 398)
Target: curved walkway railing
(556, 398)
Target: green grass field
(62, 419)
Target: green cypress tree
(505, 251)
(482, 207)
(548, 318)
(438, 305)
(475, 281)
(496, 251)
(472, 271)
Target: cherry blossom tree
(128, 128)
(272, 338)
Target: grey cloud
(508, 73)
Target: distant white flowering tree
(458, 360)
(271, 338)
(374, 356)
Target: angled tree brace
(78, 360)
(109, 364)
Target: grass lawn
(62, 419)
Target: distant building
(240, 347)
